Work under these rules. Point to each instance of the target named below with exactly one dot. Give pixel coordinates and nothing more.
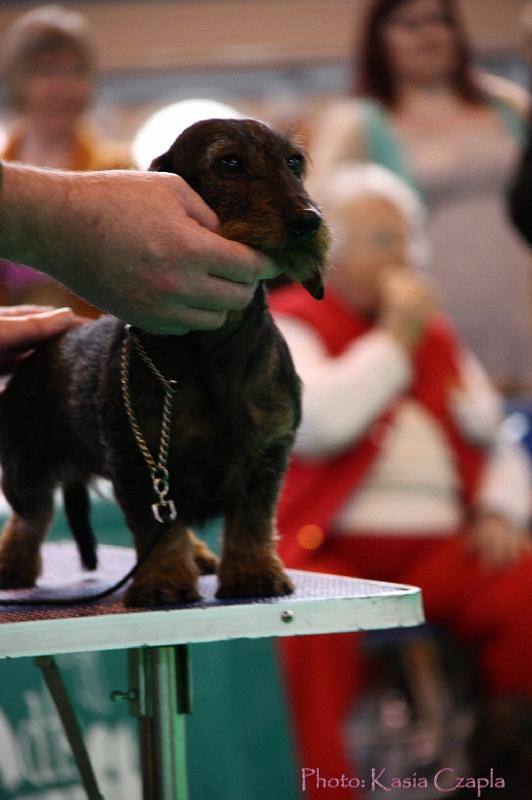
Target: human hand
(141, 245)
(23, 327)
(406, 305)
(497, 542)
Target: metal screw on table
(118, 696)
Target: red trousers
(490, 610)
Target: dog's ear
(312, 276)
(163, 163)
(314, 287)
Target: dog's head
(252, 177)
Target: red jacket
(315, 490)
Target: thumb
(196, 208)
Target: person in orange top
(50, 69)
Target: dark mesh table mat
(321, 604)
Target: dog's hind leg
(250, 566)
(23, 533)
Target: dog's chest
(213, 427)
(213, 446)
(224, 421)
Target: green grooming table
(158, 639)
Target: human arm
(505, 91)
(497, 541)
(475, 405)
(499, 531)
(499, 528)
(337, 137)
(142, 246)
(345, 394)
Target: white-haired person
(400, 471)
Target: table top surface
(320, 604)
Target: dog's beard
(304, 268)
(304, 262)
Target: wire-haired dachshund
(64, 417)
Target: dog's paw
(239, 582)
(206, 562)
(142, 593)
(17, 575)
(10, 579)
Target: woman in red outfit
(400, 472)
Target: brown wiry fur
(62, 419)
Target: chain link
(164, 508)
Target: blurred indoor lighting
(159, 131)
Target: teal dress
(480, 265)
(383, 147)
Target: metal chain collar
(164, 508)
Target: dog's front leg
(250, 566)
(170, 573)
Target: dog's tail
(77, 512)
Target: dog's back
(48, 411)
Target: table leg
(71, 726)
(160, 696)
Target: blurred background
(284, 61)
(277, 59)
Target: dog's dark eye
(230, 164)
(296, 165)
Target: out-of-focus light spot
(160, 130)
(310, 537)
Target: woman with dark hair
(375, 78)
(421, 109)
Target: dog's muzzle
(305, 224)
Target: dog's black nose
(305, 223)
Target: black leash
(92, 598)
